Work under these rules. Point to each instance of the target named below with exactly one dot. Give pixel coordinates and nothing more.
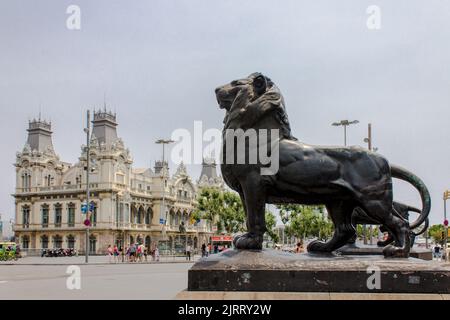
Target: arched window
(149, 216)
(133, 214)
(26, 216)
(92, 244)
(26, 181)
(57, 242)
(70, 241)
(44, 242)
(58, 215)
(71, 215)
(25, 242)
(140, 215)
(177, 218)
(172, 217)
(44, 214)
(48, 180)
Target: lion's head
(257, 84)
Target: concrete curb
(247, 295)
(92, 263)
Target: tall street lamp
(446, 197)
(368, 140)
(345, 124)
(163, 212)
(87, 130)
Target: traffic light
(447, 195)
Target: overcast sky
(158, 62)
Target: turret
(40, 135)
(104, 127)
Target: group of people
(439, 253)
(207, 249)
(136, 252)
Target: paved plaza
(46, 278)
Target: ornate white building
(208, 176)
(127, 201)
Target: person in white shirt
(188, 252)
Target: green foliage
(305, 221)
(271, 223)
(360, 231)
(222, 208)
(225, 210)
(435, 232)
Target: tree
(232, 216)
(305, 221)
(222, 208)
(271, 223)
(436, 232)
(360, 231)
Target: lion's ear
(260, 84)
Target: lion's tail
(405, 175)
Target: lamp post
(163, 212)
(87, 130)
(345, 124)
(368, 140)
(446, 197)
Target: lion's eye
(259, 82)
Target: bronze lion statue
(353, 183)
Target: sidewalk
(93, 260)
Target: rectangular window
(26, 217)
(58, 216)
(71, 215)
(44, 216)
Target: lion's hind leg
(398, 229)
(400, 232)
(341, 214)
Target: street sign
(446, 222)
(87, 222)
(161, 221)
(92, 206)
(84, 208)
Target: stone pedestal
(277, 271)
(365, 250)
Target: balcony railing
(71, 187)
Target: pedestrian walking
(133, 253)
(116, 254)
(122, 253)
(110, 253)
(127, 254)
(204, 252)
(188, 252)
(157, 254)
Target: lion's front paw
(384, 243)
(317, 246)
(392, 251)
(248, 241)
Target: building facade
(129, 204)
